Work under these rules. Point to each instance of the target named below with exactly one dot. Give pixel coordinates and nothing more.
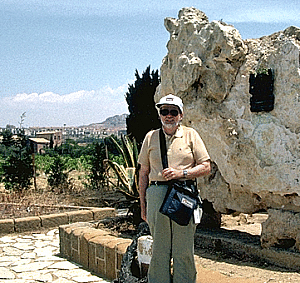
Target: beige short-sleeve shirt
(185, 149)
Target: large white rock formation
(256, 155)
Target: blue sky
(70, 61)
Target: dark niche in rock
(261, 88)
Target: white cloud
(52, 109)
(50, 97)
(79, 96)
(82, 96)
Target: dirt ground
(214, 268)
(44, 200)
(217, 269)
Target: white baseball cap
(171, 99)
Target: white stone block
(144, 249)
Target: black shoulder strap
(163, 149)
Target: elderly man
(187, 159)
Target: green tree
(143, 115)
(7, 138)
(72, 149)
(17, 168)
(57, 174)
(96, 175)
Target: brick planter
(93, 248)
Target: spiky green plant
(129, 152)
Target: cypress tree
(143, 115)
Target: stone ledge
(242, 245)
(34, 223)
(7, 226)
(100, 252)
(95, 249)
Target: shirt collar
(178, 133)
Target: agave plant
(127, 174)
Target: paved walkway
(34, 257)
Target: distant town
(41, 137)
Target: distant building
(115, 125)
(38, 145)
(53, 137)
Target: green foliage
(74, 157)
(127, 174)
(1, 164)
(262, 71)
(143, 115)
(129, 152)
(42, 162)
(72, 149)
(78, 163)
(96, 174)
(17, 167)
(7, 139)
(57, 173)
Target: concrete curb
(34, 223)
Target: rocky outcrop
(281, 229)
(255, 155)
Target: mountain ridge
(116, 121)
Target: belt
(166, 183)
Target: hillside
(117, 121)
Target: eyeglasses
(165, 112)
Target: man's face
(170, 116)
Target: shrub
(96, 175)
(17, 167)
(57, 174)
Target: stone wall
(255, 155)
(95, 249)
(35, 223)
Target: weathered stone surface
(80, 216)
(31, 266)
(54, 220)
(201, 55)
(27, 224)
(256, 156)
(18, 263)
(6, 226)
(6, 274)
(65, 265)
(11, 251)
(282, 229)
(38, 276)
(24, 246)
(102, 213)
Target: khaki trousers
(170, 240)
